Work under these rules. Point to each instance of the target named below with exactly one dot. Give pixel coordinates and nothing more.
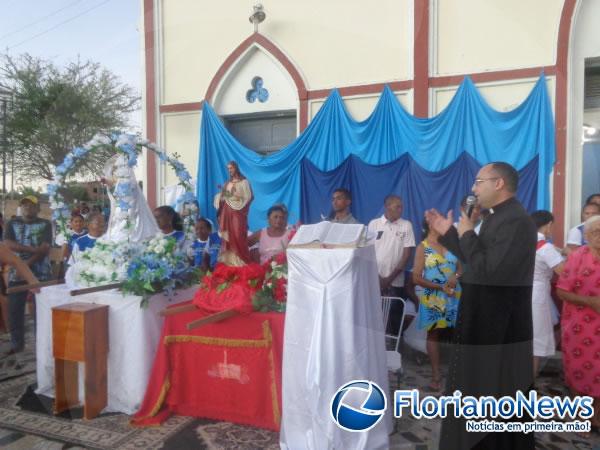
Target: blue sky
(104, 31)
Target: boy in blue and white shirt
(95, 230)
(204, 251)
(77, 225)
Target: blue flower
(51, 189)
(123, 189)
(132, 161)
(78, 152)
(61, 170)
(60, 213)
(163, 156)
(187, 197)
(127, 148)
(124, 205)
(68, 162)
(132, 268)
(184, 175)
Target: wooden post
(104, 287)
(27, 287)
(216, 317)
(178, 309)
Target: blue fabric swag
(428, 162)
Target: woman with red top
(579, 287)
(233, 204)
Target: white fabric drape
(333, 334)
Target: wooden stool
(80, 334)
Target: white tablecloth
(333, 335)
(133, 335)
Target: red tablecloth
(230, 371)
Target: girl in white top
(548, 261)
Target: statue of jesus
(233, 203)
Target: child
(78, 228)
(95, 230)
(170, 224)
(205, 249)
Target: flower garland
(129, 145)
(104, 263)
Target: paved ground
(410, 434)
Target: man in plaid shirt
(30, 237)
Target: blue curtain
(419, 189)
(463, 137)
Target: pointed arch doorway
(258, 94)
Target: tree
(55, 109)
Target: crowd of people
(493, 276)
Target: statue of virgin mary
(130, 222)
(130, 216)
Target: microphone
(471, 202)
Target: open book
(328, 234)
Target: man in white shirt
(394, 244)
(575, 236)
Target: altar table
(133, 337)
(228, 370)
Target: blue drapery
(419, 189)
(463, 137)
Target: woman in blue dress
(436, 272)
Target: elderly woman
(579, 287)
(273, 239)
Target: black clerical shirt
(503, 254)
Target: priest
(492, 351)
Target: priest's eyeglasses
(478, 181)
